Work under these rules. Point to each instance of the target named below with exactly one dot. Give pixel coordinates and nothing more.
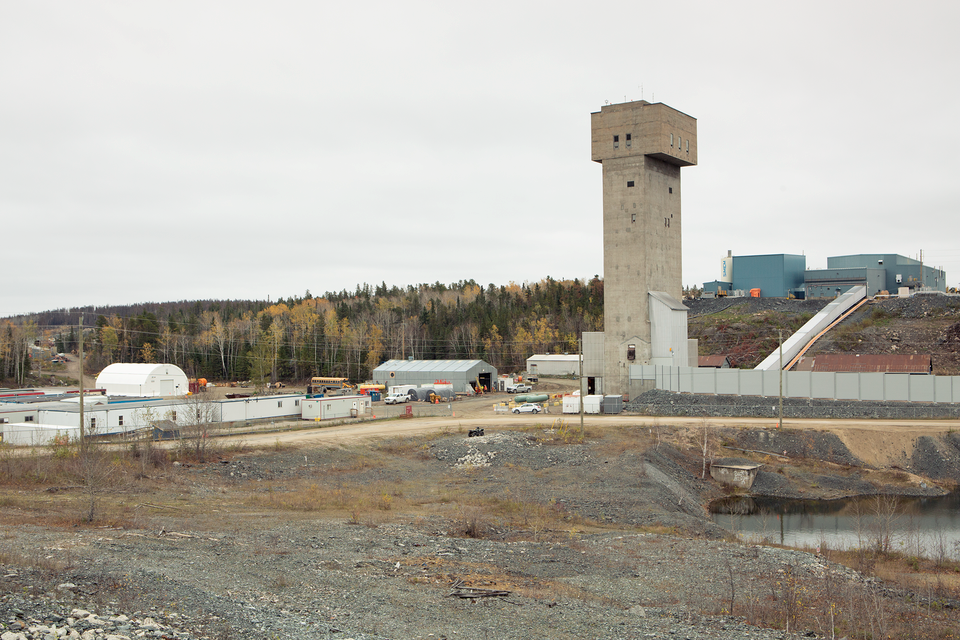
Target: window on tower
(629, 138)
(616, 142)
(631, 352)
(629, 183)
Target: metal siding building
(461, 373)
(829, 283)
(901, 271)
(554, 364)
(776, 275)
(668, 330)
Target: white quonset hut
(464, 375)
(143, 380)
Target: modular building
(335, 407)
(143, 380)
(31, 434)
(464, 375)
(127, 416)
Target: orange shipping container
(754, 293)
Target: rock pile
(84, 625)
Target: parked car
(396, 398)
(528, 407)
(518, 388)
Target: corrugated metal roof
(712, 361)
(555, 357)
(667, 299)
(866, 363)
(429, 365)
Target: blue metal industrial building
(776, 275)
(781, 275)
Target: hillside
(746, 329)
(349, 333)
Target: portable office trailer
(28, 434)
(333, 408)
(12, 412)
(261, 408)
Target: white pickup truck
(396, 398)
(518, 388)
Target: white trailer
(29, 434)
(333, 408)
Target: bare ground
(369, 530)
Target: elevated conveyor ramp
(799, 342)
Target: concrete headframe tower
(642, 147)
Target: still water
(927, 527)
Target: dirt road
(876, 442)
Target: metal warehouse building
(776, 275)
(554, 364)
(463, 374)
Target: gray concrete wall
(801, 384)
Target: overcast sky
(154, 151)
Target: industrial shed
(464, 375)
(143, 380)
(554, 364)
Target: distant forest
(339, 334)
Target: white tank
(726, 268)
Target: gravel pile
(922, 306)
(665, 403)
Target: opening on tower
(631, 352)
(629, 183)
(671, 189)
(616, 142)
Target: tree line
(344, 334)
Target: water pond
(928, 527)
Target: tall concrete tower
(642, 146)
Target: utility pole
(580, 342)
(82, 439)
(780, 333)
